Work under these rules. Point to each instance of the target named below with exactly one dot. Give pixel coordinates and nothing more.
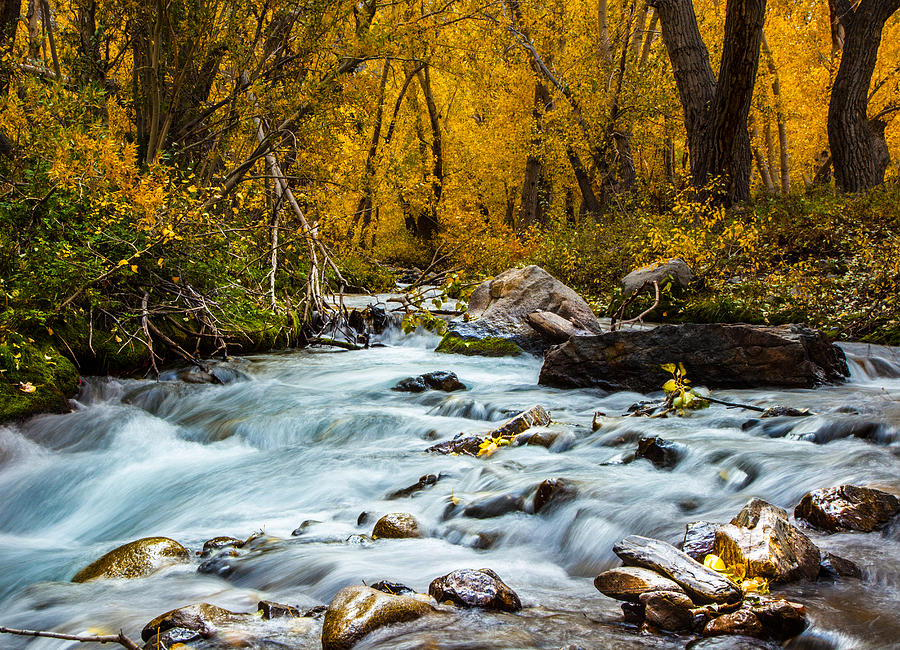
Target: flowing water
(319, 436)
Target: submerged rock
(218, 543)
(702, 584)
(495, 506)
(742, 622)
(135, 559)
(715, 355)
(437, 380)
(629, 582)
(781, 619)
(272, 610)
(424, 481)
(762, 539)
(201, 618)
(499, 309)
(848, 507)
(461, 444)
(357, 611)
(552, 491)
(699, 539)
(475, 588)
(396, 525)
(662, 453)
(834, 566)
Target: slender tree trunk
(604, 45)
(9, 23)
(858, 148)
(589, 202)
(530, 206)
(762, 164)
(428, 225)
(363, 212)
(780, 118)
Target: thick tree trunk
(858, 147)
(716, 112)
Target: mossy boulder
(357, 611)
(397, 525)
(35, 378)
(135, 559)
(491, 346)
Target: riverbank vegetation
(192, 178)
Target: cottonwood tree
(716, 110)
(858, 148)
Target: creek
(317, 435)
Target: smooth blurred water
(319, 435)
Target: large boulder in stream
(135, 559)
(475, 588)
(762, 539)
(715, 355)
(848, 507)
(499, 310)
(357, 611)
(701, 583)
(397, 525)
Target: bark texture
(858, 149)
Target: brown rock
(742, 622)
(699, 539)
(475, 588)
(628, 583)
(834, 566)
(272, 610)
(781, 618)
(848, 507)
(459, 445)
(715, 355)
(135, 559)
(668, 610)
(396, 525)
(536, 416)
(357, 611)
(218, 543)
(702, 584)
(769, 547)
(202, 618)
(553, 491)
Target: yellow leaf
(714, 562)
(26, 387)
(668, 367)
(670, 386)
(122, 263)
(175, 279)
(118, 339)
(134, 268)
(50, 331)
(159, 262)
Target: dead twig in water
(119, 638)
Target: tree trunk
(363, 212)
(428, 223)
(762, 164)
(858, 148)
(780, 119)
(716, 111)
(589, 202)
(9, 22)
(530, 206)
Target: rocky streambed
(306, 481)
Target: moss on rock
(34, 378)
(487, 347)
(135, 559)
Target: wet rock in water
(675, 270)
(742, 622)
(762, 539)
(633, 613)
(438, 380)
(364, 517)
(171, 637)
(780, 618)
(699, 539)
(460, 444)
(396, 525)
(135, 559)
(552, 492)
(202, 618)
(702, 584)
(536, 416)
(475, 588)
(662, 453)
(544, 438)
(316, 612)
(495, 506)
(833, 567)
(668, 610)
(218, 543)
(303, 527)
(499, 309)
(221, 564)
(628, 583)
(393, 588)
(423, 482)
(360, 540)
(272, 610)
(848, 507)
(715, 355)
(784, 411)
(357, 611)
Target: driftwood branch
(639, 318)
(119, 638)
